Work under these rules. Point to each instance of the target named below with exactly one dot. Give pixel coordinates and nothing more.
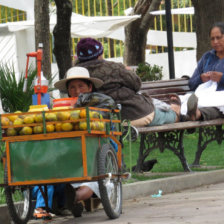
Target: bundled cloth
(207, 97)
(95, 100)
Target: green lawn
(168, 162)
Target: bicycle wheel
(110, 189)
(18, 200)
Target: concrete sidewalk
(167, 185)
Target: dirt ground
(204, 205)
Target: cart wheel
(110, 189)
(18, 200)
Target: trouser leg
(210, 113)
(40, 199)
(60, 194)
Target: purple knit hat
(88, 49)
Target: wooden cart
(63, 157)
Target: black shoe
(70, 196)
(184, 118)
(77, 209)
(192, 105)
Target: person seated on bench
(210, 67)
(123, 85)
(78, 83)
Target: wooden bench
(170, 136)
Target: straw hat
(77, 73)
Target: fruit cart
(61, 146)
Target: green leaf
(11, 89)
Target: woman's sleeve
(195, 80)
(221, 82)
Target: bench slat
(164, 83)
(180, 126)
(176, 90)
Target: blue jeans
(56, 190)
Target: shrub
(149, 73)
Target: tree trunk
(42, 33)
(62, 36)
(136, 32)
(206, 13)
(110, 42)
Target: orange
(18, 121)
(38, 118)
(4, 121)
(38, 129)
(50, 128)
(83, 125)
(82, 113)
(58, 126)
(28, 120)
(75, 115)
(101, 126)
(51, 117)
(66, 127)
(13, 117)
(27, 131)
(63, 116)
(11, 132)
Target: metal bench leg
(147, 145)
(174, 142)
(207, 135)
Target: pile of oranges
(56, 121)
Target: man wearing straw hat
(77, 82)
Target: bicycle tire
(110, 189)
(20, 212)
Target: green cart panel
(52, 159)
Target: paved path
(203, 205)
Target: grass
(2, 195)
(212, 158)
(213, 155)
